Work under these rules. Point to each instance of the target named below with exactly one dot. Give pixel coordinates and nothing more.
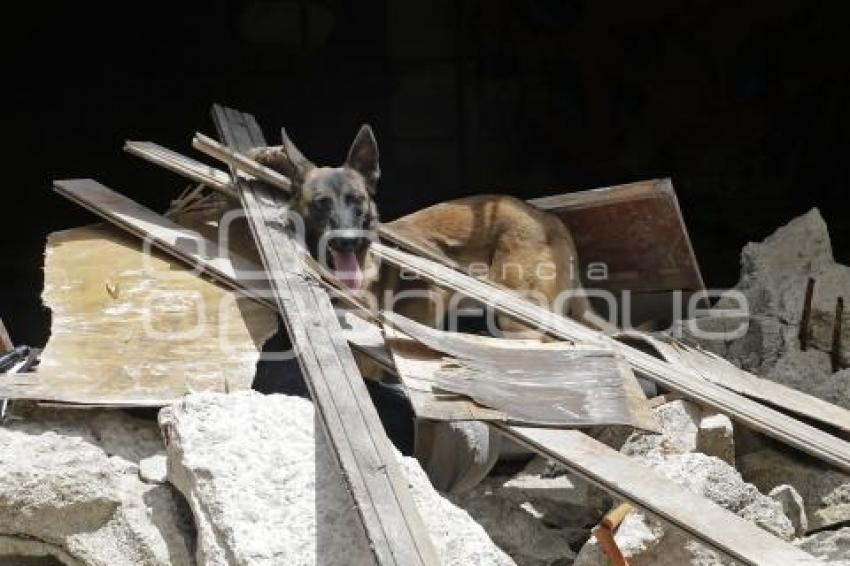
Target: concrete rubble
(219, 472)
(774, 276)
(70, 488)
(250, 465)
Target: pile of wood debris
(153, 311)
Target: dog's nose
(344, 244)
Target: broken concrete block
(774, 277)
(716, 437)
(679, 421)
(70, 488)
(264, 488)
(831, 546)
(825, 491)
(645, 541)
(792, 506)
(154, 469)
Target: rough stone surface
(70, 488)
(679, 421)
(792, 506)
(154, 469)
(716, 437)
(825, 491)
(264, 489)
(774, 274)
(832, 547)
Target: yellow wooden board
(130, 326)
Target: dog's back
(505, 240)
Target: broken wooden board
(636, 230)
(553, 384)
(130, 327)
(690, 384)
(624, 478)
(720, 371)
(369, 468)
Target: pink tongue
(347, 268)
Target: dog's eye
(353, 200)
(323, 203)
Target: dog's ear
(363, 156)
(299, 165)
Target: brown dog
(496, 236)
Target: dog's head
(336, 204)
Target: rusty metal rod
(807, 313)
(836, 334)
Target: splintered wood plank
(652, 491)
(717, 370)
(689, 383)
(555, 384)
(390, 518)
(173, 161)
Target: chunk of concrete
(825, 491)
(792, 506)
(716, 437)
(833, 547)
(70, 488)
(264, 487)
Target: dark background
(744, 104)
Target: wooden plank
(690, 384)
(173, 161)
(555, 384)
(720, 371)
(636, 230)
(623, 477)
(391, 521)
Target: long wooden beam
(690, 384)
(381, 495)
(613, 472)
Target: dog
(497, 236)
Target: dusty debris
(250, 465)
(70, 488)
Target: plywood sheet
(636, 230)
(130, 326)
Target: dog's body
(497, 236)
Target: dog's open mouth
(346, 267)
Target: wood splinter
(807, 314)
(604, 534)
